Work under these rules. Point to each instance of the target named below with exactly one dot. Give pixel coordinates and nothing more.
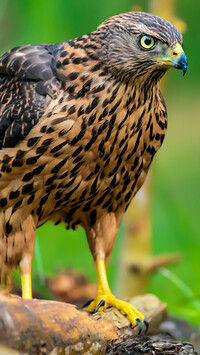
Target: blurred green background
(175, 203)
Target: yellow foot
(104, 301)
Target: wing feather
(28, 82)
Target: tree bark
(50, 327)
(40, 327)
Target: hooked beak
(176, 58)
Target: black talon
(139, 322)
(101, 303)
(88, 302)
(146, 325)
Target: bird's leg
(101, 240)
(26, 286)
(105, 298)
(25, 270)
(28, 230)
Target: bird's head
(139, 44)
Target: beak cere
(181, 62)
(176, 58)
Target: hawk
(80, 122)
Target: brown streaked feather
(80, 123)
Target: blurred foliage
(176, 168)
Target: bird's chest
(121, 158)
(127, 157)
(118, 151)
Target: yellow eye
(147, 42)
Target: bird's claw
(139, 322)
(140, 325)
(101, 303)
(146, 323)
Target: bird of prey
(80, 122)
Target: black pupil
(147, 41)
